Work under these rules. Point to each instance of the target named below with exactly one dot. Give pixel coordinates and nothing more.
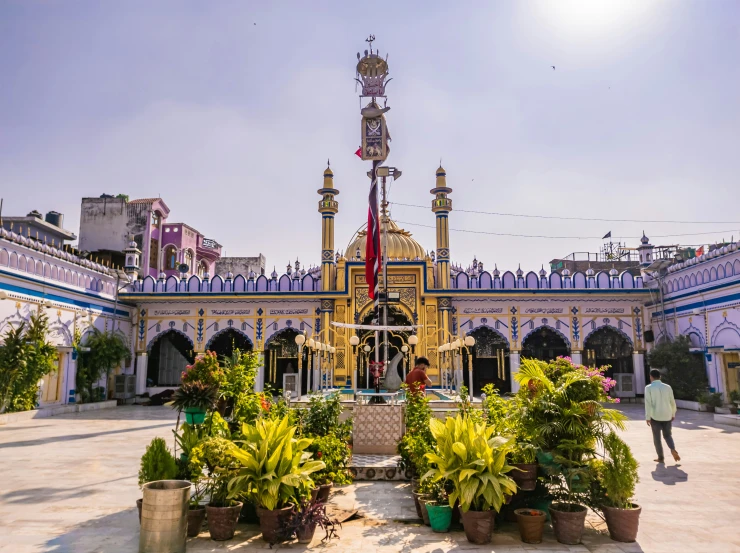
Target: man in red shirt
(418, 378)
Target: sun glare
(593, 16)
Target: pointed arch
(610, 327)
(548, 327)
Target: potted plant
(212, 465)
(524, 463)
(618, 477)
(438, 508)
(275, 469)
(304, 520)
(711, 399)
(195, 399)
(157, 463)
(531, 524)
(474, 461)
(336, 455)
(735, 400)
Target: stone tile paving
(69, 485)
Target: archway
(490, 361)
(608, 346)
(544, 344)
(170, 352)
(281, 357)
(226, 341)
(396, 317)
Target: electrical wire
(577, 218)
(562, 237)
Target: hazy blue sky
(229, 111)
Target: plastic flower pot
(567, 522)
(194, 415)
(623, 523)
(531, 524)
(440, 517)
(478, 525)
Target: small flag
(607, 235)
(700, 252)
(358, 153)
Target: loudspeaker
(649, 336)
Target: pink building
(184, 244)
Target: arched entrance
(170, 352)
(490, 361)
(396, 317)
(281, 357)
(226, 341)
(544, 344)
(608, 346)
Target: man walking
(418, 378)
(660, 410)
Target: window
(154, 253)
(189, 259)
(202, 269)
(156, 219)
(170, 258)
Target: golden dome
(400, 244)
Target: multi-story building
(48, 230)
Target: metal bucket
(164, 517)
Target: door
(731, 363)
(51, 390)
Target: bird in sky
(553, 67)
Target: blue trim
(735, 282)
(697, 305)
(62, 299)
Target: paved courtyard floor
(68, 484)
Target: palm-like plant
(474, 460)
(275, 468)
(198, 395)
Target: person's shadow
(669, 475)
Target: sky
(230, 110)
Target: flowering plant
(205, 369)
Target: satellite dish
(183, 267)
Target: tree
(107, 349)
(12, 363)
(41, 359)
(685, 371)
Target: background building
(48, 229)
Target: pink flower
(617, 400)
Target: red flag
(700, 252)
(358, 153)
(372, 242)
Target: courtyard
(70, 485)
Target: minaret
(328, 207)
(441, 206)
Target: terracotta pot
(324, 491)
(531, 525)
(273, 522)
(525, 477)
(568, 525)
(417, 502)
(478, 525)
(424, 513)
(314, 494)
(139, 503)
(623, 523)
(222, 521)
(195, 520)
(305, 535)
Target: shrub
(205, 369)
(335, 454)
(322, 418)
(237, 387)
(712, 399)
(107, 349)
(157, 463)
(685, 371)
(618, 472)
(215, 456)
(418, 439)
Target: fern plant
(619, 472)
(157, 463)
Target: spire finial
(328, 163)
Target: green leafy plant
(474, 461)
(618, 473)
(570, 472)
(157, 463)
(274, 467)
(465, 407)
(685, 370)
(734, 396)
(336, 455)
(237, 387)
(212, 465)
(107, 349)
(13, 361)
(712, 399)
(511, 417)
(322, 418)
(418, 439)
(197, 395)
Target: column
(638, 363)
(514, 366)
(259, 382)
(142, 362)
(577, 357)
